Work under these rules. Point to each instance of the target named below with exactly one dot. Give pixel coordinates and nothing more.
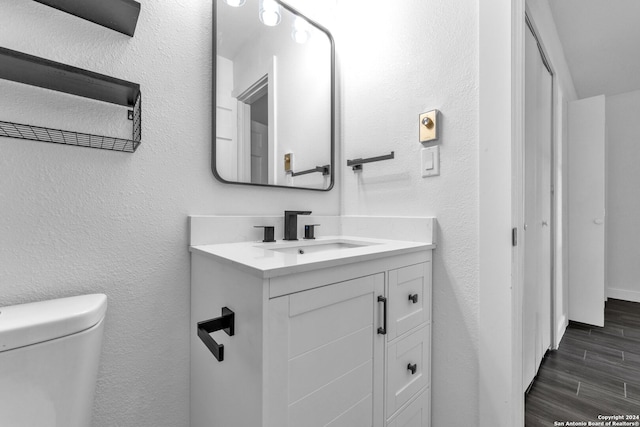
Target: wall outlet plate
(429, 126)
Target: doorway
(260, 140)
(253, 133)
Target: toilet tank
(49, 354)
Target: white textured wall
(397, 61)
(623, 201)
(76, 220)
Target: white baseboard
(561, 327)
(623, 294)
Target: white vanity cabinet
(344, 345)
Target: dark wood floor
(596, 371)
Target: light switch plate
(429, 126)
(430, 161)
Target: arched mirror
(274, 97)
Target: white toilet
(49, 354)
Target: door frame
(266, 84)
(501, 132)
(257, 90)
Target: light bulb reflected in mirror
(301, 30)
(269, 13)
(235, 3)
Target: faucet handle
(309, 231)
(269, 231)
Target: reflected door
(259, 153)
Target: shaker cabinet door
(325, 356)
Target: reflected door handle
(598, 221)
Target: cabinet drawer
(417, 414)
(408, 367)
(409, 298)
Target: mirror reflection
(274, 96)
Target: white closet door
(537, 200)
(586, 210)
(545, 102)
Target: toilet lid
(32, 323)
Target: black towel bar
(325, 170)
(357, 163)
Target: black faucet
(291, 224)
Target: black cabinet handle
(383, 329)
(413, 298)
(225, 322)
(412, 367)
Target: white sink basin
(319, 247)
(314, 246)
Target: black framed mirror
(274, 95)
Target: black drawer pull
(383, 329)
(413, 298)
(412, 367)
(225, 322)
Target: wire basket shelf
(58, 136)
(40, 72)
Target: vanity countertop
(280, 258)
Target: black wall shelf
(118, 15)
(35, 71)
